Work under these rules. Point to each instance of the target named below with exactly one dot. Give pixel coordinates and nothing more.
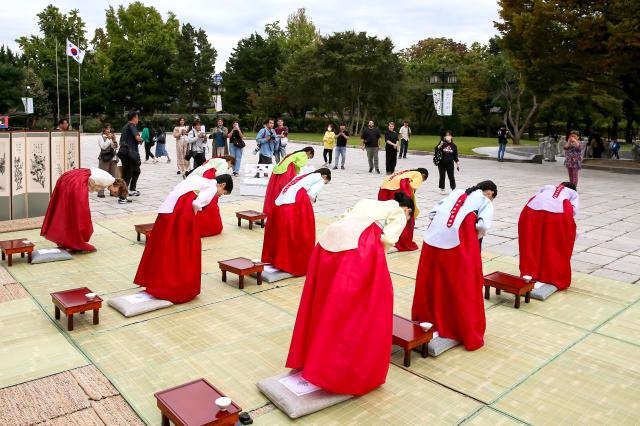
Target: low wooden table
(509, 283)
(251, 216)
(241, 266)
(143, 228)
(408, 335)
(11, 247)
(194, 404)
(74, 301)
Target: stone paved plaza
(572, 359)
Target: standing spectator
(615, 148)
(449, 156)
(266, 139)
(502, 142)
(180, 133)
(219, 136)
(63, 125)
(107, 160)
(597, 145)
(329, 141)
(282, 138)
(371, 142)
(236, 146)
(147, 137)
(342, 138)
(161, 145)
(391, 147)
(573, 156)
(405, 134)
(128, 152)
(197, 139)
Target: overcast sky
(405, 23)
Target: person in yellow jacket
(329, 140)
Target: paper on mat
(139, 297)
(48, 251)
(538, 284)
(298, 385)
(270, 269)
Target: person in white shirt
(213, 167)
(107, 159)
(449, 281)
(405, 134)
(546, 235)
(175, 243)
(290, 233)
(344, 324)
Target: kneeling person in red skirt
(290, 233)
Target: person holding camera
(197, 139)
(219, 135)
(236, 145)
(266, 139)
(107, 160)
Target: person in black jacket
(391, 148)
(449, 157)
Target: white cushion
(543, 292)
(49, 255)
(139, 303)
(271, 274)
(293, 404)
(438, 345)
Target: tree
(300, 33)
(517, 116)
(11, 77)
(195, 67)
(41, 103)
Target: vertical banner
(447, 102)
(437, 100)
(18, 175)
(5, 175)
(58, 155)
(38, 177)
(72, 150)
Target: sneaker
(442, 191)
(370, 170)
(124, 200)
(335, 168)
(377, 171)
(235, 173)
(100, 195)
(134, 193)
(342, 167)
(178, 172)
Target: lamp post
(217, 90)
(443, 78)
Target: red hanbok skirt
(208, 221)
(546, 243)
(290, 235)
(405, 242)
(449, 286)
(171, 263)
(274, 187)
(67, 221)
(343, 331)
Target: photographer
(107, 160)
(266, 139)
(128, 152)
(197, 143)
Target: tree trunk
(627, 106)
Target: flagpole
(57, 86)
(68, 92)
(79, 97)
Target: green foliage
(11, 77)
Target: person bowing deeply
(449, 281)
(67, 221)
(174, 243)
(546, 235)
(408, 182)
(343, 331)
(290, 233)
(282, 174)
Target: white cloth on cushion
(548, 199)
(312, 183)
(100, 177)
(438, 234)
(206, 189)
(345, 233)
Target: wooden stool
(509, 283)
(143, 228)
(194, 404)
(11, 247)
(74, 301)
(408, 335)
(251, 216)
(241, 266)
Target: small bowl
(223, 402)
(26, 241)
(425, 326)
(527, 278)
(91, 296)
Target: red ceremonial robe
(171, 263)
(275, 185)
(546, 243)
(208, 221)
(67, 221)
(289, 235)
(405, 242)
(449, 285)
(342, 337)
